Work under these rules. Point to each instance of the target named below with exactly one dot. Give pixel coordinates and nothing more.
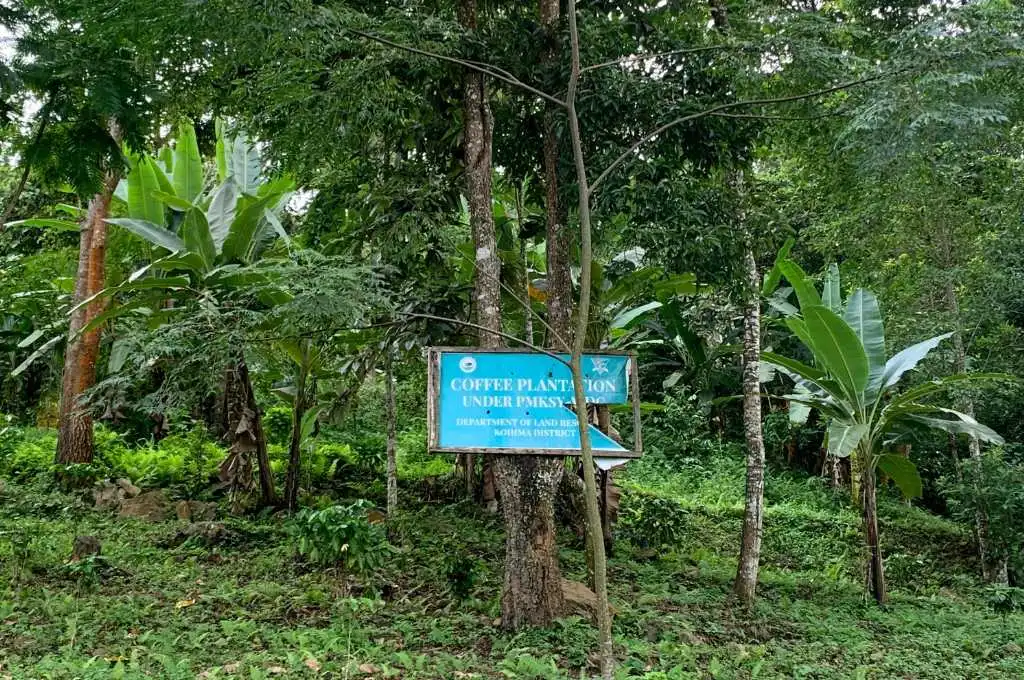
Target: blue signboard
(518, 400)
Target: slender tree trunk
(604, 617)
(559, 280)
(753, 516)
(291, 482)
(74, 437)
(875, 572)
(392, 417)
(992, 570)
(479, 127)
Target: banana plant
(856, 385)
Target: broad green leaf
(195, 233)
(152, 233)
(309, 422)
(222, 211)
(188, 166)
(908, 359)
(179, 204)
(45, 223)
(902, 472)
(798, 327)
(831, 297)
(142, 204)
(244, 165)
(118, 355)
(169, 282)
(838, 349)
(274, 222)
(626, 318)
(162, 180)
(793, 366)
(772, 278)
(805, 292)
(72, 210)
(222, 159)
(940, 384)
(864, 317)
(30, 339)
(962, 424)
(679, 284)
(182, 261)
(40, 351)
(843, 437)
(244, 230)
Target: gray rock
(151, 506)
(130, 490)
(107, 496)
(196, 511)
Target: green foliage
(341, 536)
(993, 487)
(648, 520)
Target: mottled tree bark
(753, 516)
(74, 436)
(392, 417)
(478, 128)
(559, 281)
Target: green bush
(277, 424)
(186, 460)
(646, 520)
(26, 453)
(341, 535)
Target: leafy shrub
(277, 424)
(27, 453)
(646, 520)
(341, 535)
(995, 487)
(462, 571)
(187, 460)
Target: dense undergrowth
(156, 606)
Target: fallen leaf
(232, 667)
(276, 670)
(368, 668)
(181, 604)
(312, 664)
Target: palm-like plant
(854, 384)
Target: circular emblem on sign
(467, 364)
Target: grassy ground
(250, 609)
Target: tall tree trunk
(479, 127)
(74, 437)
(392, 417)
(559, 280)
(291, 482)
(753, 516)
(875, 572)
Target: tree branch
(723, 107)
(643, 57)
(486, 69)
(489, 330)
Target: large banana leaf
(774, 275)
(903, 472)
(222, 211)
(142, 182)
(195, 233)
(908, 359)
(151, 232)
(864, 317)
(243, 234)
(188, 166)
(831, 297)
(45, 223)
(243, 165)
(805, 292)
(843, 437)
(838, 349)
(961, 423)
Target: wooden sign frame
(434, 405)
